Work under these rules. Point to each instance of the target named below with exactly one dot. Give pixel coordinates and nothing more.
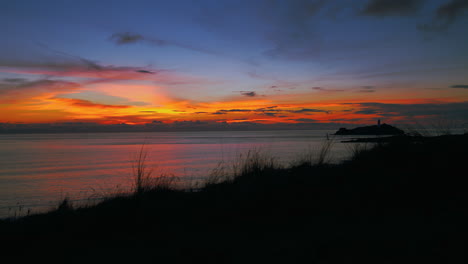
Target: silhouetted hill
(383, 129)
(402, 201)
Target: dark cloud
(87, 103)
(343, 120)
(248, 93)
(145, 71)
(109, 99)
(327, 90)
(132, 38)
(445, 15)
(69, 65)
(450, 111)
(292, 28)
(460, 86)
(91, 65)
(277, 82)
(14, 80)
(13, 92)
(452, 10)
(366, 91)
(309, 110)
(294, 35)
(367, 112)
(126, 38)
(270, 111)
(267, 111)
(157, 125)
(305, 120)
(235, 110)
(391, 7)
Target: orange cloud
(50, 100)
(17, 92)
(86, 103)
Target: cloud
(327, 90)
(309, 110)
(294, 34)
(277, 83)
(20, 90)
(304, 120)
(291, 28)
(269, 114)
(91, 95)
(445, 15)
(86, 103)
(145, 71)
(346, 120)
(248, 93)
(126, 38)
(74, 67)
(271, 111)
(14, 80)
(117, 124)
(391, 7)
(367, 112)
(452, 10)
(366, 91)
(460, 86)
(235, 110)
(51, 62)
(66, 65)
(449, 111)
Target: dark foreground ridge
(400, 202)
(383, 129)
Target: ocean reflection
(37, 171)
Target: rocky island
(379, 129)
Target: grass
(142, 174)
(399, 201)
(144, 178)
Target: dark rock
(383, 129)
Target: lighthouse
(378, 123)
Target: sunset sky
(261, 61)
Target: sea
(38, 171)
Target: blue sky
(193, 56)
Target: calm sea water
(38, 170)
